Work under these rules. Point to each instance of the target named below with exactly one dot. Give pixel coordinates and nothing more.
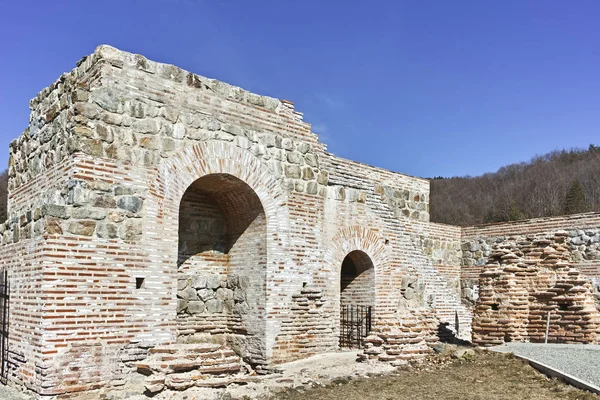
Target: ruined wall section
(527, 282)
(46, 142)
(583, 245)
(141, 111)
(402, 320)
(156, 110)
(37, 211)
(53, 264)
(137, 135)
(413, 298)
(305, 324)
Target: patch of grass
(488, 376)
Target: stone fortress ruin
(174, 228)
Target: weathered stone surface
(83, 228)
(116, 217)
(195, 307)
(107, 99)
(206, 294)
(53, 210)
(53, 226)
(181, 305)
(214, 282)
(200, 282)
(182, 283)
(89, 213)
(214, 306)
(307, 174)
(188, 294)
(130, 203)
(103, 201)
(293, 171)
(130, 230)
(107, 230)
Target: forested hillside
(558, 183)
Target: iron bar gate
(355, 325)
(4, 303)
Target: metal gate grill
(355, 325)
(4, 293)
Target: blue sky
(425, 88)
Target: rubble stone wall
(529, 285)
(513, 293)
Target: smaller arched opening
(357, 280)
(357, 298)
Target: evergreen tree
(514, 212)
(575, 200)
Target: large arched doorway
(222, 266)
(357, 298)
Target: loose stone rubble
(169, 231)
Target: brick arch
(177, 173)
(168, 184)
(356, 238)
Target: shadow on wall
(216, 210)
(446, 335)
(357, 280)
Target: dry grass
(488, 376)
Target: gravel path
(9, 393)
(579, 360)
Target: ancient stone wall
(161, 208)
(157, 214)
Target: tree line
(557, 183)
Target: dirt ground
(486, 376)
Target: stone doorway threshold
(321, 369)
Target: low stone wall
(399, 339)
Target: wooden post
(547, 327)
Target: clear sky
(425, 88)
